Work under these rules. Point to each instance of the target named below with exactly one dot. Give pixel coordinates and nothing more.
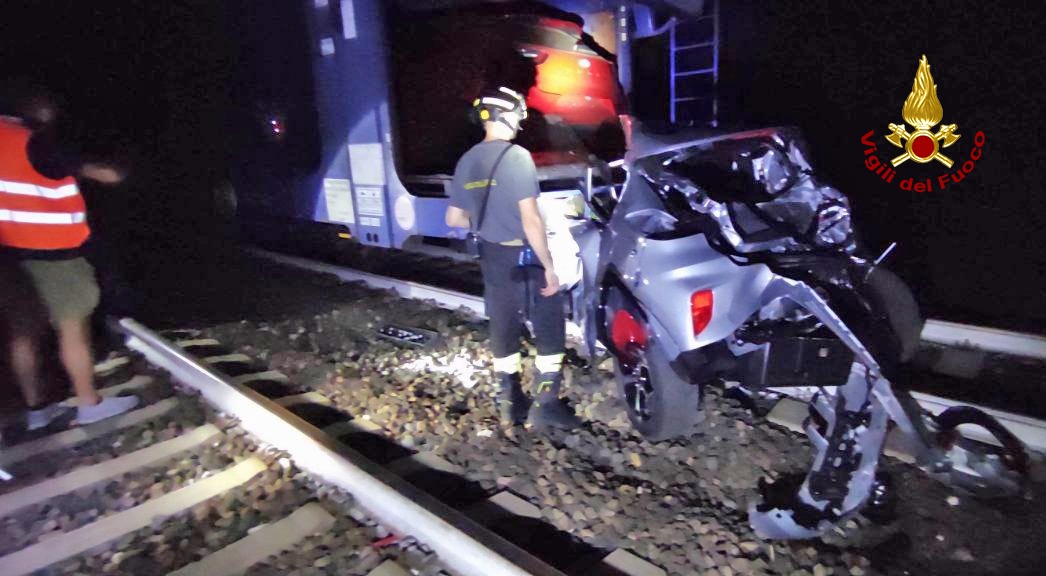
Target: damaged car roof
(645, 144)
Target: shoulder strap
(486, 192)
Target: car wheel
(900, 307)
(661, 404)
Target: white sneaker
(36, 419)
(109, 406)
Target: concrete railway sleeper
(415, 494)
(178, 488)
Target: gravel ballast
(680, 504)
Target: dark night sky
(154, 80)
(839, 69)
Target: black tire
(894, 299)
(673, 409)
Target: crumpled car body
(724, 256)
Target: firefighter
(42, 228)
(494, 194)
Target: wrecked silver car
(723, 256)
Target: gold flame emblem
(923, 110)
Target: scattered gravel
(185, 416)
(206, 528)
(74, 510)
(349, 548)
(681, 504)
(355, 545)
(187, 537)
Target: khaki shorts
(67, 287)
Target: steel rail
(1030, 431)
(462, 545)
(984, 339)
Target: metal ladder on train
(694, 69)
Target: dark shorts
(21, 312)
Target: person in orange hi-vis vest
(43, 224)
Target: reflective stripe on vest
(36, 212)
(23, 217)
(40, 191)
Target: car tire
(892, 296)
(672, 410)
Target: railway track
(1031, 431)
(176, 487)
(678, 505)
(234, 470)
(313, 446)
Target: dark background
(162, 84)
(974, 251)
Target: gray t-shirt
(516, 178)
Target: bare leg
(26, 369)
(74, 342)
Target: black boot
(512, 402)
(549, 410)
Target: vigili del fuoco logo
(922, 110)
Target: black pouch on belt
(472, 244)
(472, 241)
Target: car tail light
(700, 310)
(627, 332)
